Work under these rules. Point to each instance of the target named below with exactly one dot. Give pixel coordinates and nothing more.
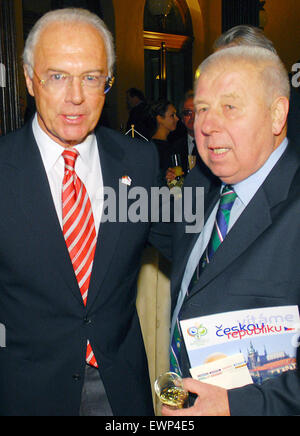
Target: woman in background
(164, 119)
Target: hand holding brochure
(236, 348)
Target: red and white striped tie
(79, 230)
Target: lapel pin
(126, 180)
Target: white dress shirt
(191, 144)
(87, 168)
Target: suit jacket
(256, 266)
(47, 325)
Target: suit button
(87, 320)
(76, 377)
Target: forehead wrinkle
(230, 83)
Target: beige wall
(129, 25)
(283, 28)
(212, 22)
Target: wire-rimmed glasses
(57, 81)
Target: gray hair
(275, 79)
(70, 15)
(244, 35)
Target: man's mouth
(219, 150)
(72, 117)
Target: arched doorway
(168, 44)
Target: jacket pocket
(16, 385)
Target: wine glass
(177, 168)
(192, 161)
(169, 389)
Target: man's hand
(170, 175)
(211, 401)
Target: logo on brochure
(197, 332)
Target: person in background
(138, 109)
(246, 256)
(186, 145)
(68, 280)
(164, 119)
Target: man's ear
(29, 81)
(279, 112)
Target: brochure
(228, 373)
(258, 344)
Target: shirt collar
(51, 151)
(247, 188)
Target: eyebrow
(197, 102)
(232, 95)
(58, 70)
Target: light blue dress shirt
(245, 190)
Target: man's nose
(211, 122)
(75, 91)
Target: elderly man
(247, 257)
(68, 278)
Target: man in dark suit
(68, 277)
(241, 103)
(186, 146)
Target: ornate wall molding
(153, 40)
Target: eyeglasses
(58, 81)
(188, 113)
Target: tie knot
(70, 157)
(228, 195)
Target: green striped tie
(220, 229)
(219, 232)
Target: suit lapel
(113, 168)
(37, 204)
(245, 231)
